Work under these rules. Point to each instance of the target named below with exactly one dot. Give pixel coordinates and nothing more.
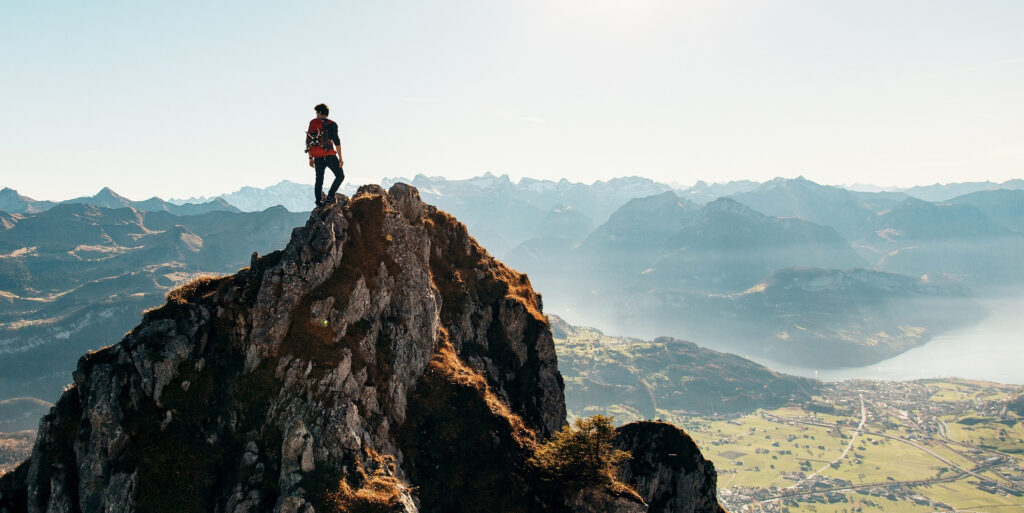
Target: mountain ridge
(643, 379)
(13, 202)
(76, 276)
(381, 347)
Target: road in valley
(876, 433)
(863, 419)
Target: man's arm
(337, 144)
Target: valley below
(854, 446)
(872, 446)
(782, 443)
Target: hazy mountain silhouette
(646, 222)
(879, 201)
(915, 219)
(662, 265)
(107, 198)
(565, 222)
(500, 213)
(659, 242)
(948, 191)
(596, 201)
(296, 197)
(956, 240)
(802, 198)
(1004, 206)
(14, 203)
(722, 246)
(729, 247)
(703, 192)
(636, 234)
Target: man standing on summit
(324, 149)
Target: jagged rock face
(382, 361)
(667, 469)
(383, 341)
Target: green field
(900, 462)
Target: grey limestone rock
(383, 355)
(263, 390)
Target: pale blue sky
(196, 98)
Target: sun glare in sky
(196, 98)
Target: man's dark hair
(322, 109)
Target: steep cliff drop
(383, 361)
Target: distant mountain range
(839, 208)
(732, 276)
(729, 247)
(76, 276)
(502, 214)
(955, 240)
(107, 198)
(13, 203)
(596, 200)
(1004, 206)
(703, 192)
(946, 192)
(723, 246)
(296, 197)
(726, 264)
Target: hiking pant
(330, 162)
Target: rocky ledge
(383, 361)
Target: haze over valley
(664, 302)
(787, 272)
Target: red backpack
(318, 143)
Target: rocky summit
(383, 361)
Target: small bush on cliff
(581, 455)
(380, 491)
(180, 299)
(186, 293)
(380, 494)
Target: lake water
(992, 350)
